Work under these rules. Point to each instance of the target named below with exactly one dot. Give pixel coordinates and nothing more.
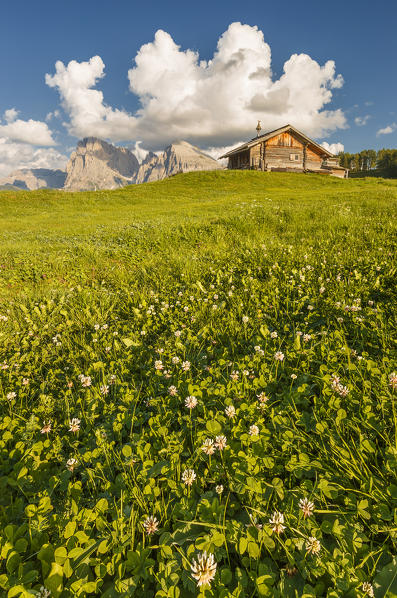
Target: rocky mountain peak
(96, 164)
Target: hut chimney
(258, 128)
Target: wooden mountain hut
(284, 150)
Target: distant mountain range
(96, 164)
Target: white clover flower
(208, 447)
(273, 334)
(43, 593)
(254, 430)
(262, 397)
(191, 402)
(71, 464)
(307, 337)
(74, 425)
(11, 395)
(175, 360)
(150, 525)
(186, 366)
(219, 489)
(393, 380)
(220, 442)
(234, 375)
(306, 506)
(46, 427)
(188, 476)
(178, 333)
(294, 376)
(313, 546)
(230, 411)
(279, 356)
(25, 381)
(173, 391)
(310, 307)
(276, 521)
(245, 319)
(85, 380)
(203, 571)
(158, 365)
(368, 589)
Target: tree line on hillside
(384, 160)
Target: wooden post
(264, 156)
(304, 155)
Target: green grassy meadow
(198, 385)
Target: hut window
(294, 157)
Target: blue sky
(359, 36)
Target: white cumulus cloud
(361, 121)
(14, 156)
(334, 148)
(34, 132)
(387, 130)
(210, 103)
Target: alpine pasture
(198, 389)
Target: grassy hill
(199, 365)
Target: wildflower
(262, 397)
(276, 521)
(74, 425)
(234, 375)
(254, 430)
(158, 365)
(273, 334)
(71, 464)
(370, 303)
(177, 333)
(104, 390)
(191, 402)
(310, 307)
(257, 348)
(208, 446)
(96, 327)
(25, 381)
(188, 476)
(313, 545)
(46, 427)
(143, 332)
(219, 489)
(186, 366)
(220, 442)
(245, 319)
(393, 381)
(85, 380)
(112, 379)
(294, 376)
(307, 337)
(175, 360)
(11, 395)
(343, 391)
(230, 411)
(70, 384)
(306, 506)
(173, 391)
(322, 289)
(278, 356)
(203, 571)
(151, 525)
(368, 589)
(43, 593)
